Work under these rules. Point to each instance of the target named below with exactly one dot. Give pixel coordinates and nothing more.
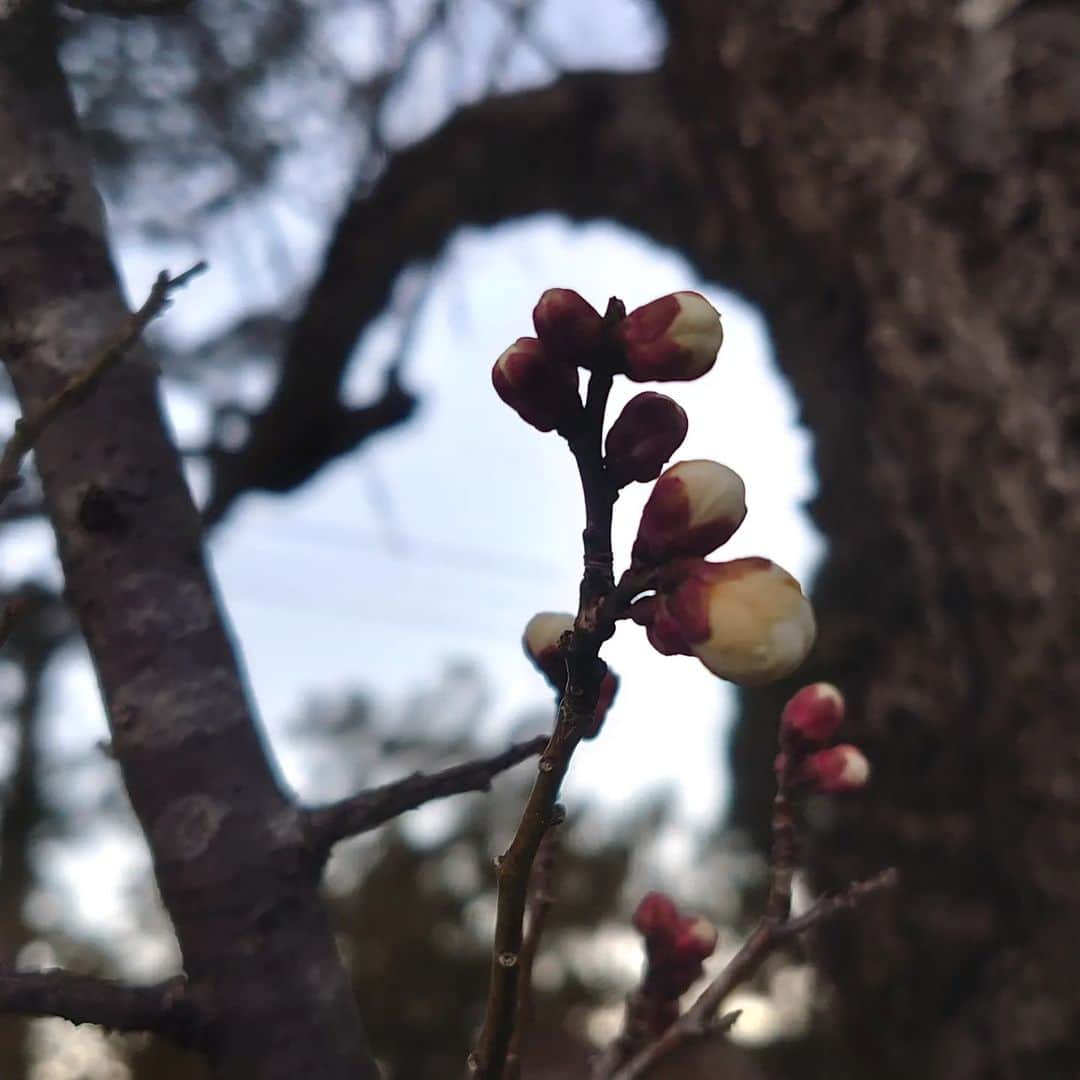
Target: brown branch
(130, 8)
(166, 1008)
(594, 624)
(326, 825)
(700, 1019)
(541, 898)
(28, 429)
(591, 145)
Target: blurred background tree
(895, 186)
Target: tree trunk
(225, 837)
(901, 186)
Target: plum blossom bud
(815, 712)
(649, 430)
(697, 938)
(656, 916)
(540, 641)
(541, 638)
(746, 620)
(675, 337)
(694, 507)
(570, 328)
(540, 390)
(839, 768)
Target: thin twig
(166, 1007)
(326, 825)
(28, 429)
(593, 626)
(541, 897)
(700, 1019)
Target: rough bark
(901, 183)
(228, 849)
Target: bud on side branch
(840, 768)
(814, 713)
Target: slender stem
(592, 627)
(540, 901)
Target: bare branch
(326, 825)
(166, 1008)
(28, 429)
(700, 1019)
(495, 161)
(130, 8)
(541, 897)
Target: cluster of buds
(542, 642)
(673, 338)
(746, 620)
(810, 720)
(676, 947)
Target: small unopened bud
(675, 337)
(648, 431)
(694, 507)
(570, 328)
(540, 390)
(815, 712)
(746, 620)
(656, 916)
(839, 768)
(540, 641)
(697, 938)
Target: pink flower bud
(541, 643)
(840, 768)
(571, 329)
(745, 620)
(656, 917)
(675, 337)
(815, 712)
(694, 507)
(648, 431)
(696, 939)
(540, 390)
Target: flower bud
(543, 632)
(815, 712)
(675, 337)
(745, 620)
(694, 507)
(656, 917)
(570, 328)
(696, 939)
(648, 431)
(540, 390)
(840, 768)
(660, 628)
